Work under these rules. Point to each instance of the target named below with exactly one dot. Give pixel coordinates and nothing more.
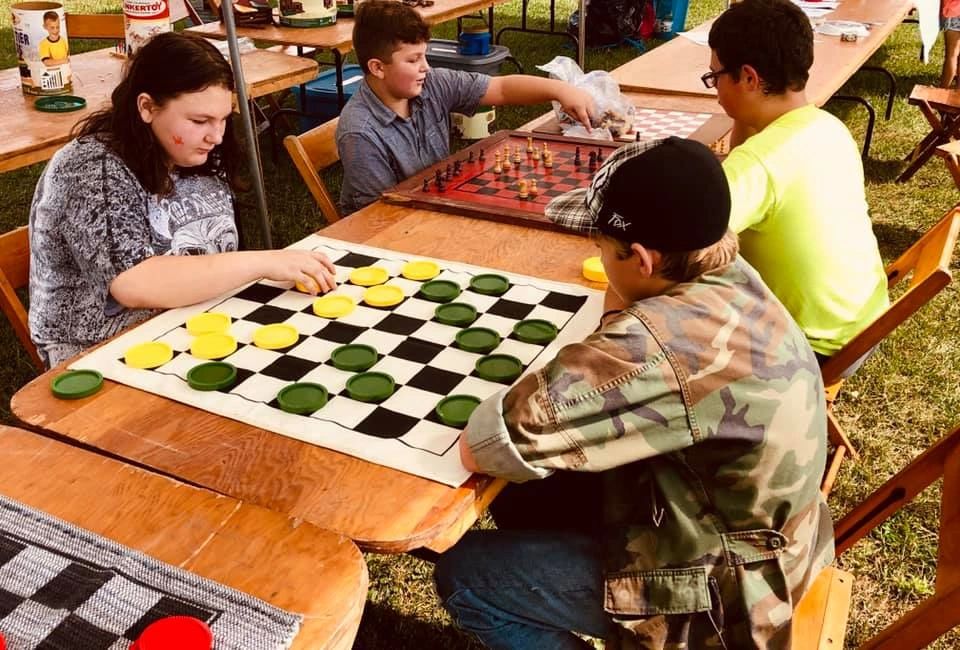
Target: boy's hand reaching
(578, 104)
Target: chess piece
(426, 184)
(438, 178)
(592, 164)
(506, 152)
(599, 154)
(506, 162)
(536, 153)
(483, 157)
(523, 189)
(449, 172)
(456, 168)
(546, 149)
(533, 187)
(529, 144)
(548, 160)
(470, 157)
(637, 139)
(517, 158)
(576, 158)
(497, 168)
(442, 187)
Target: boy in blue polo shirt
(398, 121)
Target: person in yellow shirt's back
(795, 175)
(54, 49)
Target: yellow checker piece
(208, 323)
(369, 276)
(151, 354)
(420, 270)
(333, 305)
(213, 346)
(276, 336)
(386, 295)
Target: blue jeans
(525, 589)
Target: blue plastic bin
(322, 94)
(671, 17)
(446, 54)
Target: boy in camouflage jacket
(699, 406)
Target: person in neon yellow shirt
(54, 49)
(795, 175)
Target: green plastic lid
(76, 384)
(535, 330)
(60, 104)
(370, 386)
(440, 290)
(354, 357)
(490, 284)
(478, 339)
(302, 398)
(455, 410)
(215, 375)
(501, 368)
(456, 313)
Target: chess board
(657, 123)
(65, 587)
(420, 353)
(479, 192)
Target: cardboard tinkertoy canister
(144, 19)
(43, 51)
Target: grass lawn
(904, 398)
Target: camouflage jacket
(704, 408)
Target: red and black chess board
(479, 192)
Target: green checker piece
(355, 357)
(60, 104)
(501, 368)
(455, 410)
(76, 384)
(440, 290)
(215, 375)
(490, 284)
(302, 398)
(456, 313)
(478, 339)
(535, 330)
(370, 386)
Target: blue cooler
(322, 94)
(446, 54)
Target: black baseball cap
(670, 195)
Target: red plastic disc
(175, 633)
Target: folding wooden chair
(950, 152)
(929, 261)
(15, 274)
(312, 152)
(941, 108)
(820, 617)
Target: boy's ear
(646, 259)
(750, 77)
(375, 67)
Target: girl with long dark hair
(136, 213)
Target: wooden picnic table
(291, 565)
(381, 509)
(28, 136)
(675, 67)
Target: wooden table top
(28, 136)
(676, 67)
(292, 565)
(339, 36)
(381, 509)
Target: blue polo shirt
(379, 148)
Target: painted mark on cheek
(177, 139)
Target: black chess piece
(449, 172)
(638, 137)
(438, 178)
(576, 158)
(470, 158)
(426, 184)
(592, 165)
(456, 167)
(442, 186)
(482, 157)
(599, 155)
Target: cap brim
(570, 211)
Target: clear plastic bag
(614, 112)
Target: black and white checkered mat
(64, 588)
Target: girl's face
(190, 125)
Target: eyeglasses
(710, 79)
